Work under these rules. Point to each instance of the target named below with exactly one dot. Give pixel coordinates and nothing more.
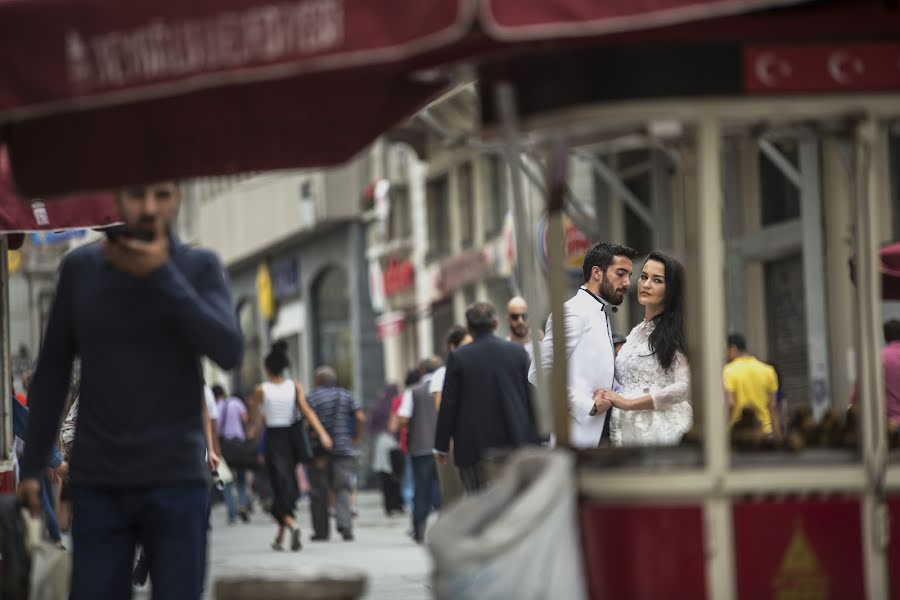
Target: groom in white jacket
(607, 272)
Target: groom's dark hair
(601, 255)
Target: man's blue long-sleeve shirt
(140, 341)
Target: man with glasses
(517, 318)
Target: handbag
(303, 449)
(238, 453)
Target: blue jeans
(50, 519)
(168, 521)
(427, 492)
(407, 484)
(240, 481)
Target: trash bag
(15, 562)
(519, 538)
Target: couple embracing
(640, 397)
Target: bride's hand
(616, 399)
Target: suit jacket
(591, 365)
(485, 402)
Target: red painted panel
(894, 551)
(799, 549)
(7, 479)
(648, 551)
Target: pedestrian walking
(141, 310)
(334, 468)
(284, 404)
(448, 475)
(750, 384)
(418, 411)
(517, 320)
(486, 403)
(385, 442)
(233, 418)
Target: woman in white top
(653, 405)
(280, 399)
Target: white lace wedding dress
(639, 373)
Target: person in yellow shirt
(750, 383)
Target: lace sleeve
(679, 389)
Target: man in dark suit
(485, 403)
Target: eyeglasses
(517, 316)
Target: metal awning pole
(6, 437)
(527, 269)
(867, 162)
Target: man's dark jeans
(427, 492)
(169, 521)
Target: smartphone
(124, 231)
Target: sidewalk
(397, 568)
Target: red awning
(19, 214)
(101, 93)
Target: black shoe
(318, 538)
(245, 516)
(346, 534)
(295, 540)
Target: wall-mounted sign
(576, 245)
(265, 298)
(390, 324)
(464, 269)
(285, 274)
(399, 276)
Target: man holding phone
(140, 310)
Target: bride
(653, 404)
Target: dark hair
(481, 318)
(667, 337)
(218, 391)
(413, 376)
(738, 341)
(601, 255)
(429, 365)
(455, 335)
(892, 331)
(277, 361)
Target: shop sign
(576, 245)
(860, 66)
(799, 549)
(464, 269)
(390, 325)
(285, 276)
(399, 276)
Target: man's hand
(326, 442)
(61, 472)
(441, 458)
(136, 257)
(212, 459)
(601, 404)
(617, 400)
(29, 494)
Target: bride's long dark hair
(667, 337)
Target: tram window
(895, 178)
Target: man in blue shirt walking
(140, 310)
(342, 417)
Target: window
(466, 205)
(331, 312)
(499, 294)
(441, 322)
(779, 198)
(438, 218)
(495, 202)
(400, 226)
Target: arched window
(333, 341)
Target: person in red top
(890, 359)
